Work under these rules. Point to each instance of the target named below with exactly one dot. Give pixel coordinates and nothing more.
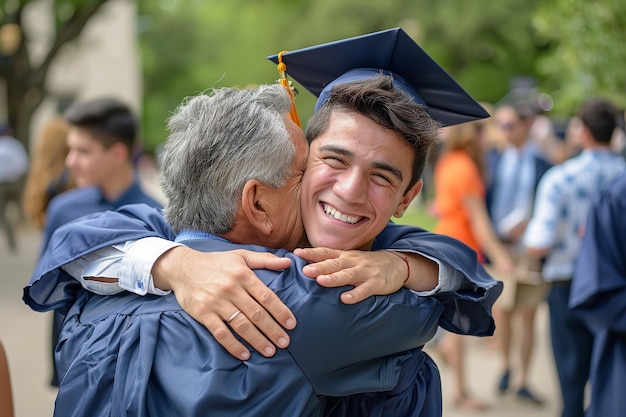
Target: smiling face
(355, 180)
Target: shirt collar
(190, 234)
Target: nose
(70, 159)
(351, 186)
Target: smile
(337, 215)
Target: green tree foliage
(25, 78)
(589, 50)
(572, 48)
(190, 46)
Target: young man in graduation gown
(598, 295)
(101, 139)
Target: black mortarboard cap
(318, 68)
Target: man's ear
(120, 152)
(407, 198)
(254, 207)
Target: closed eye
(335, 161)
(384, 178)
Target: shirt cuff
(449, 279)
(101, 263)
(135, 270)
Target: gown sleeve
(468, 310)
(50, 287)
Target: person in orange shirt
(462, 213)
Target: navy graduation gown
(466, 311)
(417, 389)
(144, 356)
(81, 201)
(599, 294)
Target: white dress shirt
(131, 263)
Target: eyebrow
(376, 164)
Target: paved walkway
(25, 335)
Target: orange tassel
(282, 72)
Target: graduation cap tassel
(282, 73)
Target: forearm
(485, 234)
(428, 275)
(171, 265)
(422, 272)
(468, 308)
(456, 263)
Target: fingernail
(290, 323)
(269, 350)
(282, 341)
(244, 356)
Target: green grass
(417, 215)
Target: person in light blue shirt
(13, 167)
(512, 179)
(554, 232)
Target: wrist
(406, 262)
(165, 266)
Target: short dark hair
(107, 119)
(599, 115)
(380, 101)
(522, 108)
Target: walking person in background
(13, 167)
(554, 232)
(460, 206)
(512, 176)
(48, 175)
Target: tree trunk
(26, 85)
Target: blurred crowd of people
(519, 191)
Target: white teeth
(336, 214)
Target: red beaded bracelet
(408, 268)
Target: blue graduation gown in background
(417, 387)
(599, 294)
(72, 204)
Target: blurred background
(153, 53)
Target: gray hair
(217, 143)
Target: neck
(117, 184)
(592, 144)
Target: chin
(332, 243)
